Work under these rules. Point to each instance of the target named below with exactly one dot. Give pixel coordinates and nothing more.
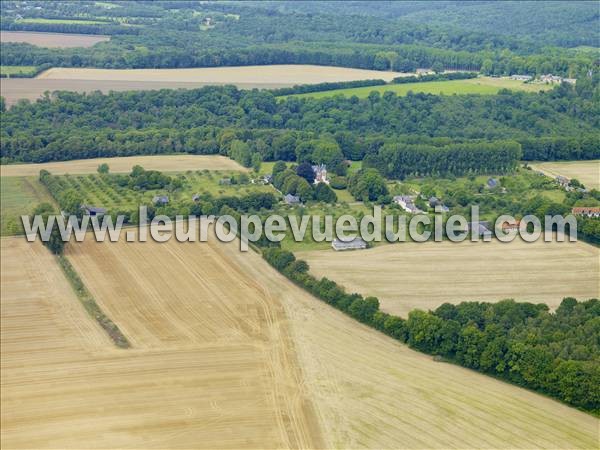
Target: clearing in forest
(480, 85)
(411, 275)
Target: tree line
(555, 353)
(402, 160)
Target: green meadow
(481, 85)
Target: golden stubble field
(52, 40)
(228, 354)
(211, 363)
(165, 163)
(246, 77)
(266, 74)
(588, 172)
(412, 275)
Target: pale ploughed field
(227, 353)
(406, 276)
(165, 163)
(588, 172)
(52, 40)
(246, 77)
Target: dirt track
(165, 163)
(406, 276)
(228, 354)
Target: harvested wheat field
(211, 364)
(228, 354)
(15, 89)
(267, 74)
(52, 40)
(246, 77)
(165, 163)
(406, 276)
(588, 172)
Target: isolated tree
(323, 193)
(103, 169)
(278, 167)
(437, 67)
(256, 161)
(305, 171)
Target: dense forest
(176, 34)
(400, 136)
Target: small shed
(160, 200)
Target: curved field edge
(367, 389)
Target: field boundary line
(90, 305)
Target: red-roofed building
(587, 211)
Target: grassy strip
(90, 305)
(22, 71)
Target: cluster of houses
(565, 183)
(548, 78)
(407, 203)
(586, 211)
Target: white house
(407, 203)
(320, 171)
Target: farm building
(355, 244)
(521, 77)
(291, 199)
(407, 203)
(549, 78)
(507, 226)
(93, 210)
(436, 203)
(160, 200)
(586, 211)
(563, 181)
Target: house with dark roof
(160, 200)
(434, 201)
(93, 210)
(492, 183)
(355, 244)
(291, 199)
